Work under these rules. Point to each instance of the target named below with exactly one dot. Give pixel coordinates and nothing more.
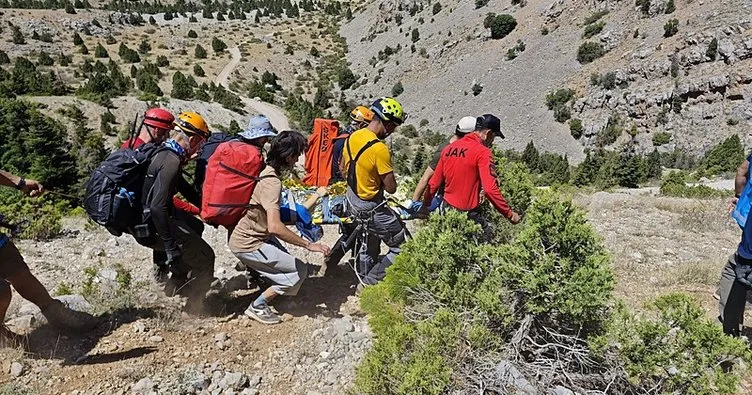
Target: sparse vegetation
(558, 101)
(589, 51)
(671, 28)
(500, 25)
(576, 128)
(477, 89)
(397, 89)
(661, 138)
(593, 29)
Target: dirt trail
(275, 114)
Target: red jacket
(178, 203)
(465, 167)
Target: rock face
(662, 84)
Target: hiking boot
(313, 270)
(263, 315)
(68, 320)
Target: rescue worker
(466, 166)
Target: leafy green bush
(576, 128)
(44, 214)
(397, 89)
(435, 313)
(593, 29)
(675, 184)
(661, 138)
(500, 25)
(595, 17)
(671, 28)
(673, 348)
(723, 158)
(589, 51)
(199, 52)
(217, 45)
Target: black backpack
(113, 192)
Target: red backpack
(231, 175)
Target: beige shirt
(253, 229)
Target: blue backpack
(291, 212)
(743, 205)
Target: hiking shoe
(263, 315)
(68, 320)
(313, 270)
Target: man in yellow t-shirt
(367, 164)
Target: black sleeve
(162, 191)
(188, 191)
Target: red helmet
(158, 118)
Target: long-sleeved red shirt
(465, 166)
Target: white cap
(465, 126)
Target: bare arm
(278, 229)
(389, 182)
(31, 187)
(311, 201)
(422, 184)
(741, 177)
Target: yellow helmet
(361, 114)
(389, 109)
(192, 123)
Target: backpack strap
(352, 181)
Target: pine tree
(144, 47)
(218, 45)
(18, 37)
(198, 71)
(200, 52)
(83, 49)
(100, 51)
(45, 59)
(419, 161)
(180, 87)
(531, 157)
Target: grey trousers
(733, 299)
(273, 262)
(384, 226)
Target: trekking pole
(62, 194)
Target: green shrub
(397, 89)
(670, 7)
(610, 133)
(675, 184)
(500, 25)
(723, 158)
(100, 51)
(480, 3)
(589, 51)
(576, 128)
(217, 45)
(593, 29)
(661, 138)
(673, 348)
(198, 71)
(44, 214)
(671, 28)
(192, 34)
(595, 17)
(559, 97)
(199, 52)
(437, 312)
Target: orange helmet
(192, 123)
(361, 114)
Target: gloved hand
(416, 206)
(744, 274)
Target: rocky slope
(454, 52)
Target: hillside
(453, 52)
